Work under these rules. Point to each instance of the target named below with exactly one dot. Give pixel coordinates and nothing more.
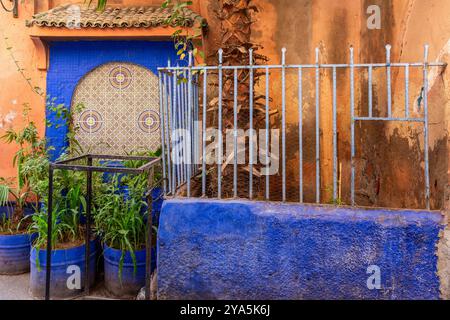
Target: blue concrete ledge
(210, 249)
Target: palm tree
(236, 21)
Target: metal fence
(185, 93)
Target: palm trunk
(236, 21)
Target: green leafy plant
(29, 142)
(20, 199)
(11, 220)
(64, 115)
(183, 38)
(138, 184)
(30, 145)
(66, 228)
(120, 223)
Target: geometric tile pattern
(121, 109)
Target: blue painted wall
(71, 61)
(254, 250)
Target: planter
(130, 282)
(14, 249)
(62, 259)
(15, 254)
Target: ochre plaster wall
(394, 176)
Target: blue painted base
(255, 250)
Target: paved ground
(15, 287)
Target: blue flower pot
(108, 176)
(14, 249)
(15, 254)
(66, 264)
(130, 282)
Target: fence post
(283, 120)
(426, 138)
(352, 124)
(317, 127)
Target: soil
(22, 230)
(68, 245)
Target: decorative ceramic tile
(121, 109)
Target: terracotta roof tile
(112, 17)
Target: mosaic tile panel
(121, 109)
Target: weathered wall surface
(14, 89)
(256, 250)
(389, 156)
(390, 160)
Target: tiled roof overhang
(78, 22)
(80, 16)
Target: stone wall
(255, 250)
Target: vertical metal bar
(193, 118)
(173, 148)
(195, 124)
(181, 116)
(49, 232)
(388, 79)
(283, 120)
(407, 91)
(177, 121)
(334, 138)
(184, 99)
(426, 128)
(193, 112)
(235, 128)
(190, 125)
(88, 227)
(168, 135)
(172, 119)
(251, 136)
(162, 128)
(370, 89)
(267, 131)
(317, 127)
(352, 124)
(219, 158)
(300, 133)
(205, 106)
(148, 243)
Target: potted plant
(121, 225)
(14, 215)
(68, 230)
(14, 240)
(136, 185)
(68, 247)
